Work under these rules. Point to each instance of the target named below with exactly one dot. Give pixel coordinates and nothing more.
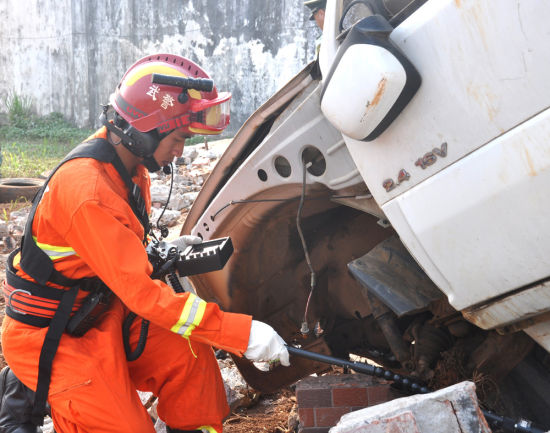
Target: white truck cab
(474, 142)
(390, 200)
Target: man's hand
(264, 344)
(184, 241)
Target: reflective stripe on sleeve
(54, 252)
(191, 316)
(208, 429)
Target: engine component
(429, 343)
(389, 272)
(388, 324)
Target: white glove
(264, 344)
(184, 241)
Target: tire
(15, 188)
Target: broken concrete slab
(450, 410)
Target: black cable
(313, 278)
(132, 355)
(163, 229)
(267, 200)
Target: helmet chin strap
(148, 161)
(151, 164)
(141, 144)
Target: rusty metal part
(270, 381)
(522, 324)
(443, 313)
(429, 342)
(386, 319)
(460, 328)
(361, 337)
(390, 272)
(525, 303)
(499, 354)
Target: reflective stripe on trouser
(93, 386)
(208, 429)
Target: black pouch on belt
(93, 306)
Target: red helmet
(147, 106)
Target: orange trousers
(93, 387)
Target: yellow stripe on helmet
(138, 73)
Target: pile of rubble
(190, 172)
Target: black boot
(16, 402)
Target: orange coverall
(93, 386)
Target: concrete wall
(68, 55)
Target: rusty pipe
(386, 319)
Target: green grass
(29, 152)
(30, 144)
(31, 158)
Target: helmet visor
(217, 116)
(211, 116)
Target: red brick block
(315, 397)
(350, 397)
(380, 394)
(306, 416)
(314, 430)
(329, 416)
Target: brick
(306, 416)
(314, 397)
(350, 397)
(379, 394)
(314, 430)
(337, 381)
(329, 416)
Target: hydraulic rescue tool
(168, 261)
(404, 383)
(207, 256)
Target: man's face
(319, 16)
(170, 147)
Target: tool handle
(361, 367)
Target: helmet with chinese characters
(147, 106)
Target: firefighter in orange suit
(86, 235)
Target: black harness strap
(24, 285)
(47, 354)
(36, 262)
(40, 267)
(134, 196)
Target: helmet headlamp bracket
(200, 84)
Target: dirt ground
(274, 413)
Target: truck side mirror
(370, 81)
